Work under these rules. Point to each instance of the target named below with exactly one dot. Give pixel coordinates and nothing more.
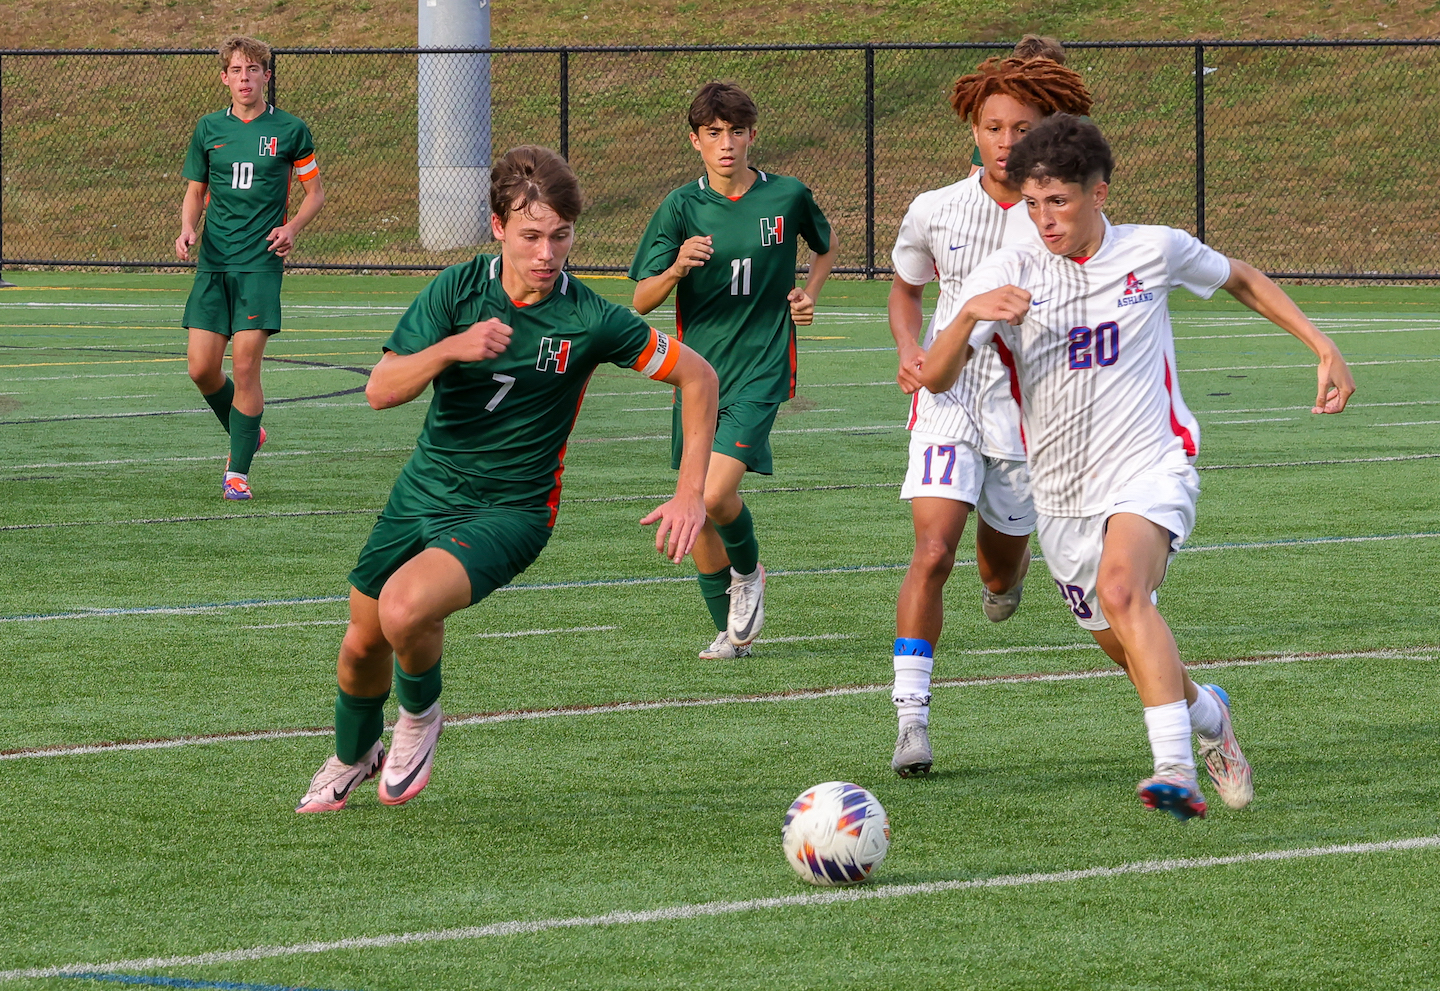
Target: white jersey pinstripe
(945, 234)
(1094, 360)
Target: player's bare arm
(399, 378)
(906, 318)
(651, 292)
(1256, 290)
(802, 301)
(682, 517)
(951, 349)
(282, 239)
(191, 207)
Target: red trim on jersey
(734, 199)
(1080, 259)
(1006, 206)
(1008, 360)
(553, 501)
(914, 409)
(522, 306)
(794, 361)
(1181, 431)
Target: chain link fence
(1301, 157)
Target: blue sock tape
(913, 647)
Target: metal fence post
(3, 283)
(270, 91)
(1200, 141)
(565, 103)
(869, 161)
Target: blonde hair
(253, 49)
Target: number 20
(1105, 352)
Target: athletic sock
(914, 662)
(359, 721)
(715, 587)
(1206, 717)
(1169, 729)
(417, 692)
(738, 536)
(244, 438)
(220, 401)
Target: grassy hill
(170, 23)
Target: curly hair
(1061, 147)
(532, 174)
(253, 49)
(1038, 46)
(1040, 83)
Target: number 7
(507, 382)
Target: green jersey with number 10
(247, 166)
(734, 309)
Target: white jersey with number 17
(945, 234)
(1093, 363)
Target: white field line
(536, 633)
(809, 636)
(1263, 419)
(105, 612)
(1311, 365)
(307, 622)
(616, 708)
(1408, 423)
(679, 913)
(1335, 330)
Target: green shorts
(742, 431)
(224, 302)
(494, 545)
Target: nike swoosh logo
(738, 444)
(395, 791)
(220, 145)
(956, 247)
(1039, 302)
(1022, 516)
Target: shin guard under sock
(715, 587)
(220, 401)
(417, 692)
(358, 723)
(738, 536)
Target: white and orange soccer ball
(835, 834)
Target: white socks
(1169, 729)
(1206, 717)
(912, 688)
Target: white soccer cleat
(412, 754)
(1000, 606)
(723, 650)
(1226, 765)
(1173, 789)
(332, 785)
(912, 751)
(747, 606)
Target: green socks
(740, 543)
(417, 692)
(358, 724)
(220, 401)
(716, 590)
(244, 438)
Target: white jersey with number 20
(1093, 363)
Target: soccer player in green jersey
(239, 166)
(726, 245)
(509, 342)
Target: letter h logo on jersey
(270, 146)
(772, 231)
(557, 354)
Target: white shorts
(998, 490)
(1072, 545)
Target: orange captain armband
(306, 168)
(659, 357)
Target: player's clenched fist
(483, 340)
(695, 252)
(1008, 303)
(802, 307)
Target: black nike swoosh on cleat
(395, 792)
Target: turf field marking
(536, 633)
(800, 695)
(107, 612)
(306, 622)
(181, 982)
(1311, 365)
(809, 636)
(1263, 419)
(1409, 423)
(679, 913)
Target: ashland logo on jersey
(553, 354)
(772, 231)
(1134, 292)
(270, 146)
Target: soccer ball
(835, 834)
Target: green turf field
(609, 815)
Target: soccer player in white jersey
(965, 449)
(1082, 325)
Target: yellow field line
(174, 327)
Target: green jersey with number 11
(734, 309)
(247, 165)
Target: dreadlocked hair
(1038, 82)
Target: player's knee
(933, 556)
(1119, 597)
(723, 506)
(403, 618)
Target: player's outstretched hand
(694, 253)
(481, 340)
(183, 243)
(1337, 385)
(680, 522)
(1008, 303)
(802, 307)
(912, 360)
(282, 241)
